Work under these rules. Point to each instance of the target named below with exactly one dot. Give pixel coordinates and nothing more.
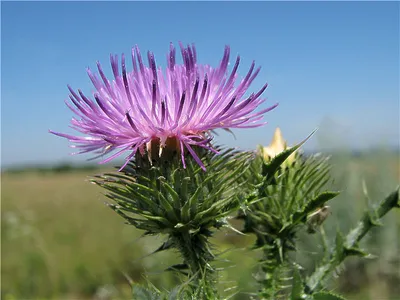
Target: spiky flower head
(148, 110)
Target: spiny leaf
(165, 246)
(297, 286)
(312, 205)
(339, 246)
(356, 251)
(270, 168)
(178, 267)
(143, 293)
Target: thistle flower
(148, 110)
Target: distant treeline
(59, 168)
(69, 167)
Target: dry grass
(60, 241)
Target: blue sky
(332, 65)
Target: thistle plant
(159, 119)
(290, 196)
(184, 204)
(177, 183)
(288, 188)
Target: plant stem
(274, 267)
(196, 254)
(349, 245)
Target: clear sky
(333, 65)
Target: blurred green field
(59, 240)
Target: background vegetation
(59, 241)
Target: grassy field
(59, 240)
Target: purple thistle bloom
(178, 108)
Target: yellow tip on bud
(278, 145)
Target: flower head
(147, 107)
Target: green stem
(274, 268)
(196, 254)
(353, 237)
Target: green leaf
(339, 247)
(174, 294)
(269, 169)
(355, 251)
(142, 293)
(182, 268)
(312, 205)
(327, 296)
(168, 244)
(297, 287)
(307, 177)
